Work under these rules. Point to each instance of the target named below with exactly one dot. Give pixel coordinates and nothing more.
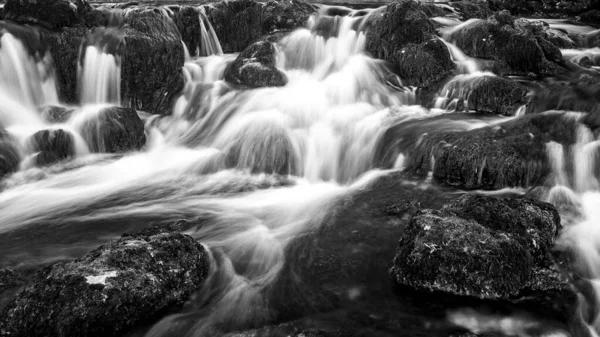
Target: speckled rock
(405, 36)
(127, 282)
(9, 279)
(237, 23)
(52, 146)
(285, 15)
(472, 9)
(255, 67)
(497, 95)
(487, 248)
(51, 14)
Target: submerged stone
(116, 287)
(255, 67)
(52, 145)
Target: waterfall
(27, 79)
(209, 41)
(99, 70)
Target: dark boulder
(405, 36)
(188, 22)
(9, 280)
(64, 47)
(255, 67)
(51, 14)
(497, 95)
(285, 15)
(152, 62)
(9, 154)
(591, 18)
(486, 248)
(118, 286)
(52, 146)
(472, 9)
(237, 23)
(510, 154)
(577, 92)
(112, 130)
(513, 48)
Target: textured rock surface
(405, 36)
(513, 48)
(9, 279)
(577, 92)
(237, 23)
(9, 154)
(113, 130)
(113, 288)
(255, 67)
(484, 247)
(51, 14)
(473, 9)
(52, 146)
(497, 95)
(285, 15)
(151, 74)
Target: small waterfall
(99, 71)
(209, 41)
(27, 79)
(465, 64)
(455, 94)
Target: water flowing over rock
(497, 95)
(285, 15)
(487, 248)
(197, 32)
(9, 154)
(109, 129)
(577, 92)
(255, 67)
(112, 289)
(151, 74)
(405, 36)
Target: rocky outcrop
(285, 15)
(51, 14)
(151, 73)
(513, 48)
(255, 67)
(497, 95)
(112, 130)
(9, 280)
(486, 248)
(120, 285)
(237, 23)
(509, 154)
(51, 146)
(405, 36)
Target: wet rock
(405, 36)
(472, 9)
(188, 22)
(578, 92)
(285, 15)
(487, 248)
(9, 279)
(53, 146)
(9, 154)
(64, 47)
(56, 113)
(255, 67)
(51, 14)
(151, 69)
(120, 285)
(510, 154)
(237, 23)
(113, 130)
(497, 95)
(514, 48)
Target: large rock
(487, 248)
(237, 23)
(513, 48)
(510, 154)
(151, 73)
(111, 129)
(285, 15)
(52, 146)
(118, 286)
(9, 279)
(405, 36)
(51, 14)
(187, 19)
(255, 67)
(497, 95)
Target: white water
(210, 44)
(99, 79)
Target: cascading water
(255, 170)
